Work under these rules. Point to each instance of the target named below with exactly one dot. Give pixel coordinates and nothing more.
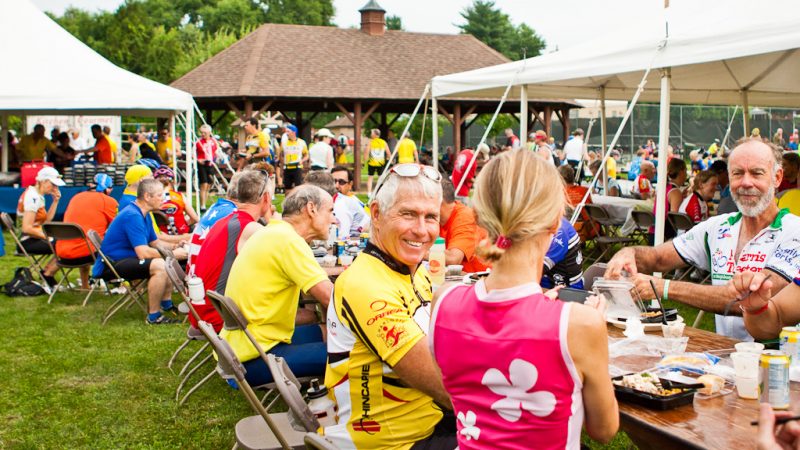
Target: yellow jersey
(611, 167)
(282, 264)
(30, 150)
(377, 152)
(294, 152)
(114, 148)
(405, 151)
(253, 143)
(379, 311)
(164, 149)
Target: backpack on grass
(22, 285)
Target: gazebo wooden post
(209, 116)
(548, 119)
(384, 127)
(565, 123)
(357, 132)
(457, 122)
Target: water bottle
(323, 408)
(437, 263)
(197, 293)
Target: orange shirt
(92, 211)
(462, 232)
(103, 153)
(574, 196)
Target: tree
(394, 23)
(493, 27)
(302, 12)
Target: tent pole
(172, 138)
(435, 131)
(745, 113)
(523, 113)
(603, 135)
(6, 149)
(406, 131)
(663, 144)
(189, 160)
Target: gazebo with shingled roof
(364, 74)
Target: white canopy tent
(49, 71)
(709, 57)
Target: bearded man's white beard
(759, 207)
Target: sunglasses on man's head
(412, 170)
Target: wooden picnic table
(717, 423)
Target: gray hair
(248, 186)
(323, 180)
(419, 185)
(148, 186)
(775, 151)
(302, 196)
(205, 127)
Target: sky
(562, 23)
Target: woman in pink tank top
(523, 370)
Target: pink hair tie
(502, 242)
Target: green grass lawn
(69, 382)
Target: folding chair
(314, 441)
(263, 431)
(60, 231)
(591, 273)
(609, 231)
(134, 289)
(289, 388)
(681, 222)
(34, 260)
(642, 221)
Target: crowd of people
(391, 347)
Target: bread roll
(712, 384)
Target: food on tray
(645, 382)
(712, 384)
(686, 359)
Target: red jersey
(695, 207)
(460, 167)
(174, 207)
(214, 262)
(206, 148)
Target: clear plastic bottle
(320, 405)
(437, 263)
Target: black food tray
(672, 314)
(650, 401)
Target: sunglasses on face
(340, 181)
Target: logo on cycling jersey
(724, 233)
(366, 423)
(721, 262)
(391, 335)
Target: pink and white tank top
(506, 365)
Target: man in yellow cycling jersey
(380, 370)
(407, 151)
(376, 154)
(294, 155)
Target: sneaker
(175, 310)
(162, 320)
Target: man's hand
(56, 194)
(754, 288)
(624, 260)
(180, 254)
(641, 283)
(782, 437)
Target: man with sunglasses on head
(380, 369)
(350, 214)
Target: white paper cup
(747, 387)
(673, 330)
(328, 261)
(346, 260)
(745, 364)
(749, 347)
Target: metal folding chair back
(680, 221)
(314, 441)
(591, 273)
(230, 368)
(133, 290)
(12, 230)
(61, 231)
(643, 219)
(177, 276)
(289, 388)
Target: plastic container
(197, 293)
(658, 402)
(323, 408)
(437, 263)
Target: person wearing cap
(91, 210)
(321, 153)
(175, 206)
(133, 176)
(294, 155)
(376, 154)
(407, 150)
(540, 146)
(713, 148)
(31, 207)
(32, 147)
(256, 145)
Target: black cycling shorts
(292, 178)
(375, 170)
(204, 173)
(130, 269)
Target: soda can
(774, 378)
(340, 247)
(789, 339)
(364, 240)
